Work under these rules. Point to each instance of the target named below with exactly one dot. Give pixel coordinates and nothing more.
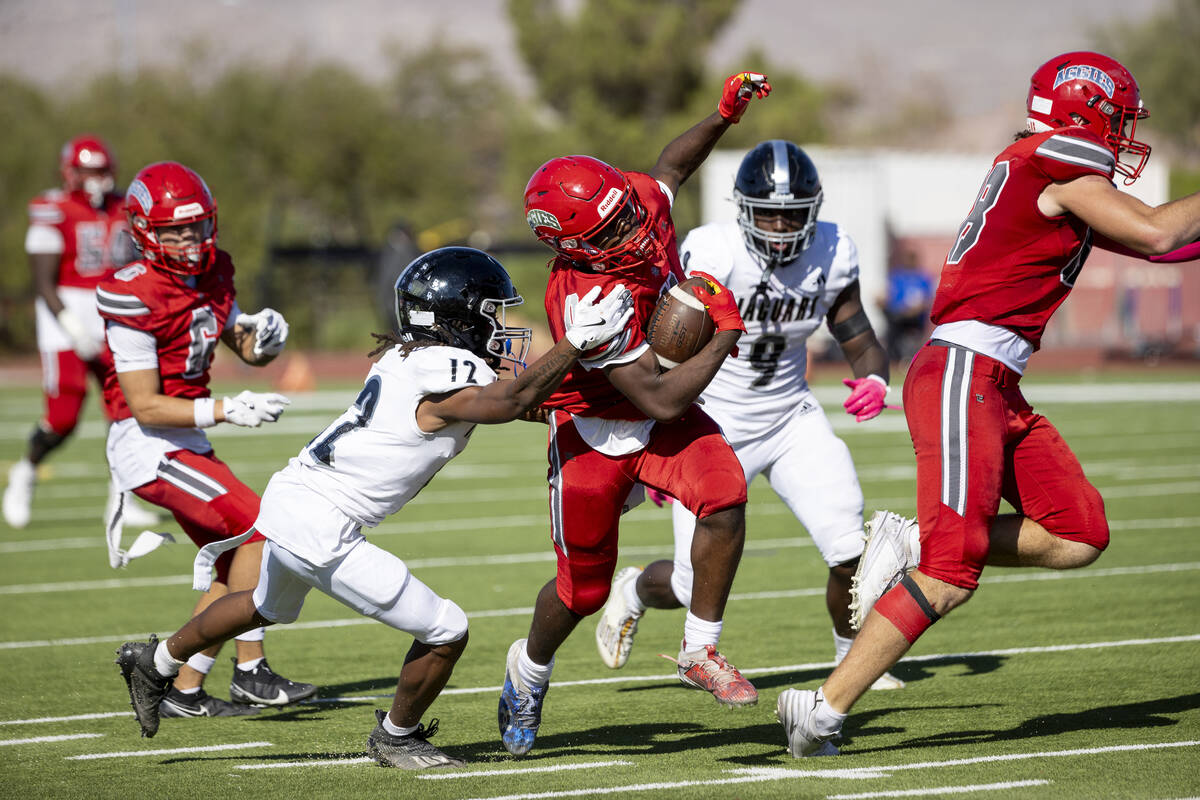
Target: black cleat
(262, 686)
(201, 704)
(407, 752)
(146, 687)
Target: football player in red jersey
(1048, 199)
(164, 315)
(76, 236)
(618, 421)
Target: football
(679, 327)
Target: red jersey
(1011, 266)
(95, 240)
(186, 323)
(586, 390)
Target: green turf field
(1075, 685)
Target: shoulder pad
(1072, 152)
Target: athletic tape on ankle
(906, 607)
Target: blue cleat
(520, 711)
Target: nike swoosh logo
(280, 699)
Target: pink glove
(659, 498)
(737, 93)
(866, 397)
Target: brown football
(680, 327)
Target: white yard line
(765, 774)
(315, 762)
(72, 718)
(1015, 577)
(937, 790)
(64, 738)
(1061, 648)
(212, 748)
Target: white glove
(270, 330)
(251, 409)
(82, 343)
(593, 323)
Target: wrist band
(204, 412)
(882, 383)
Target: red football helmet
(588, 211)
(1094, 91)
(169, 199)
(87, 166)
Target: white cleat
(18, 495)
(796, 709)
(893, 547)
(618, 623)
(887, 681)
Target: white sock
(248, 666)
(530, 673)
(201, 663)
(192, 691)
(629, 592)
(165, 663)
(396, 730)
(826, 721)
(700, 632)
(252, 635)
(841, 646)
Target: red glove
(866, 397)
(738, 91)
(659, 498)
(719, 303)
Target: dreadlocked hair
(389, 340)
(385, 341)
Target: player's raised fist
(738, 90)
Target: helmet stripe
(780, 173)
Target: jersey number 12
(364, 409)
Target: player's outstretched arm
(684, 154)
(143, 394)
(1122, 218)
(593, 324)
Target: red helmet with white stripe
(88, 166)
(587, 211)
(1097, 92)
(173, 218)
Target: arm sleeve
(131, 349)
(44, 240)
(667, 192)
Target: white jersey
(374, 458)
(756, 392)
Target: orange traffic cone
(297, 375)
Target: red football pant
(208, 502)
(688, 459)
(64, 385)
(977, 440)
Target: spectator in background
(76, 237)
(906, 306)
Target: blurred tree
(621, 78)
(1163, 52)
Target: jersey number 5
(364, 409)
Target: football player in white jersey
(789, 272)
(420, 403)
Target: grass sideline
(1063, 685)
